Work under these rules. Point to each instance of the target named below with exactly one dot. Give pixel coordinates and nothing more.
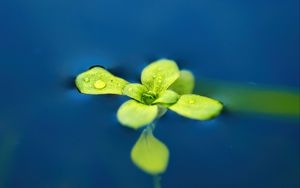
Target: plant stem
(152, 126)
(156, 181)
(156, 178)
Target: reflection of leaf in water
(252, 98)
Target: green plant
(163, 87)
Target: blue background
(51, 136)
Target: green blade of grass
(278, 101)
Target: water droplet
(130, 89)
(159, 77)
(99, 84)
(159, 81)
(86, 79)
(192, 101)
(153, 76)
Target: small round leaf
(134, 91)
(159, 75)
(167, 97)
(99, 81)
(197, 107)
(135, 115)
(150, 154)
(184, 84)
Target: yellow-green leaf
(135, 115)
(184, 84)
(159, 75)
(150, 154)
(167, 97)
(134, 91)
(99, 81)
(197, 107)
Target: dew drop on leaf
(99, 84)
(191, 101)
(86, 79)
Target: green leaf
(150, 154)
(185, 83)
(159, 75)
(134, 91)
(167, 97)
(99, 81)
(135, 115)
(197, 107)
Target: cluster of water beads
(158, 77)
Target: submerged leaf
(159, 75)
(135, 115)
(185, 83)
(99, 81)
(167, 97)
(197, 107)
(150, 154)
(134, 91)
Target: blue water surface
(51, 136)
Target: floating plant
(163, 86)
